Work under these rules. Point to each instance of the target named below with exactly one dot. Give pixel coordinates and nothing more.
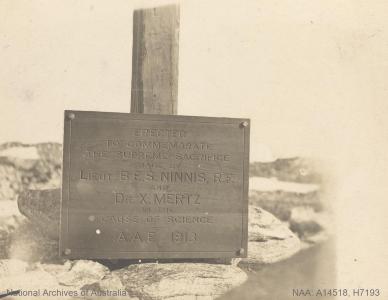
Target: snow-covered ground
(272, 184)
(21, 152)
(8, 208)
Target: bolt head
(244, 124)
(241, 251)
(71, 116)
(67, 251)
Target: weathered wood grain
(155, 60)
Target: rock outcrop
(10, 220)
(29, 245)
(180, 280)
(270, 240)
(28, 166)
(281, 203)
(81, 273)
(50, 281)
(311, 227)
(42, 208)
(23, 239)
(141, 281)
(295, 169)
(279, 198)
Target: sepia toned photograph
(167, 150)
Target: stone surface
(10, 180)
(311, 227)
(271, 251)
(55, 269)
(12, 267)
(42, 208)
(296, 169)
(179, 280)
(142, 281)
(3, 243)
(16, 274)
(280, 203)
(270, 240)
(263, 226)
(67, 280)
(24, 166)
(27, 243)
(10, 220)
(83, 272)
(109, 282)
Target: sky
(311, 76)
(302, 71)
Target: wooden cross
(155, 60)
(99, 164)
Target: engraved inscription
(164, 177)
(96, 176)
(160, 132)
(136, 237)
(184, 237)
(154, 186)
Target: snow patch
(8, 208)
(21, 152)
(272, 184)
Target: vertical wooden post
(155, 60)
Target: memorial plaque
(154, 186)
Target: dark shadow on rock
(115, 264)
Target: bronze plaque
(154, 186)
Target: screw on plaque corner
(244, 124)
(241, 251)
(71, 116)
